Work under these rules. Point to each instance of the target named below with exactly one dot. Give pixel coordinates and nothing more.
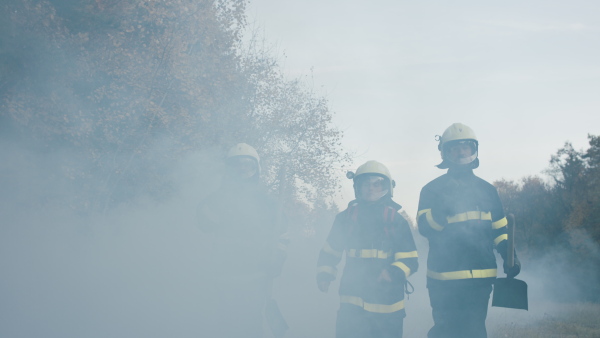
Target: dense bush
(560, 219)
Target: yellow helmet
(243, 150)
(458, 133)
(373, 168)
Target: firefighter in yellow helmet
(380, 255)
(462, 217)
(247, 239)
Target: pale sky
(524, 75)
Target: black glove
(513, 271)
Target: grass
(561, 321)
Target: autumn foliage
(121, 90)
(559, 219)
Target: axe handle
(511, 241)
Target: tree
(533, 204)
(562, 219)
(111, 94)
(592, 158)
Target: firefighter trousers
(459, 311)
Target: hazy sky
(524, 75)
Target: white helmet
(373, 169)
(458, 133)
(242, 152)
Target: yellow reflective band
(463, 274)
(400, 255)
(328, 249)
(402, 267)
(500, 223)
(470, 215)
(327, 269)
(367, 253)
(500, 239)
(377, 308)
(430, 219)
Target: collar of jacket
(460, 172)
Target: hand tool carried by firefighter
(510, 292)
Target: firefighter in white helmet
(243, 163)
(246, 238)
(462, 217)
(380, 255)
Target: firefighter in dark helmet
(247, 242)
(462, 217)
(380, 255)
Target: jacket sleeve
(405, 261)
(431, 218)
(499, 223)
(331, 253)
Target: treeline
(558, 220)
(120, 90)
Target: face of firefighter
(462, 152)
(242, 167)
(371, 188)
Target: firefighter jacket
(246, 228)
(462, 217)
(375, 237)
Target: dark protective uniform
(462, 217)
(246, 243)
(374, 237)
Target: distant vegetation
(122, 90)
(559, 221)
